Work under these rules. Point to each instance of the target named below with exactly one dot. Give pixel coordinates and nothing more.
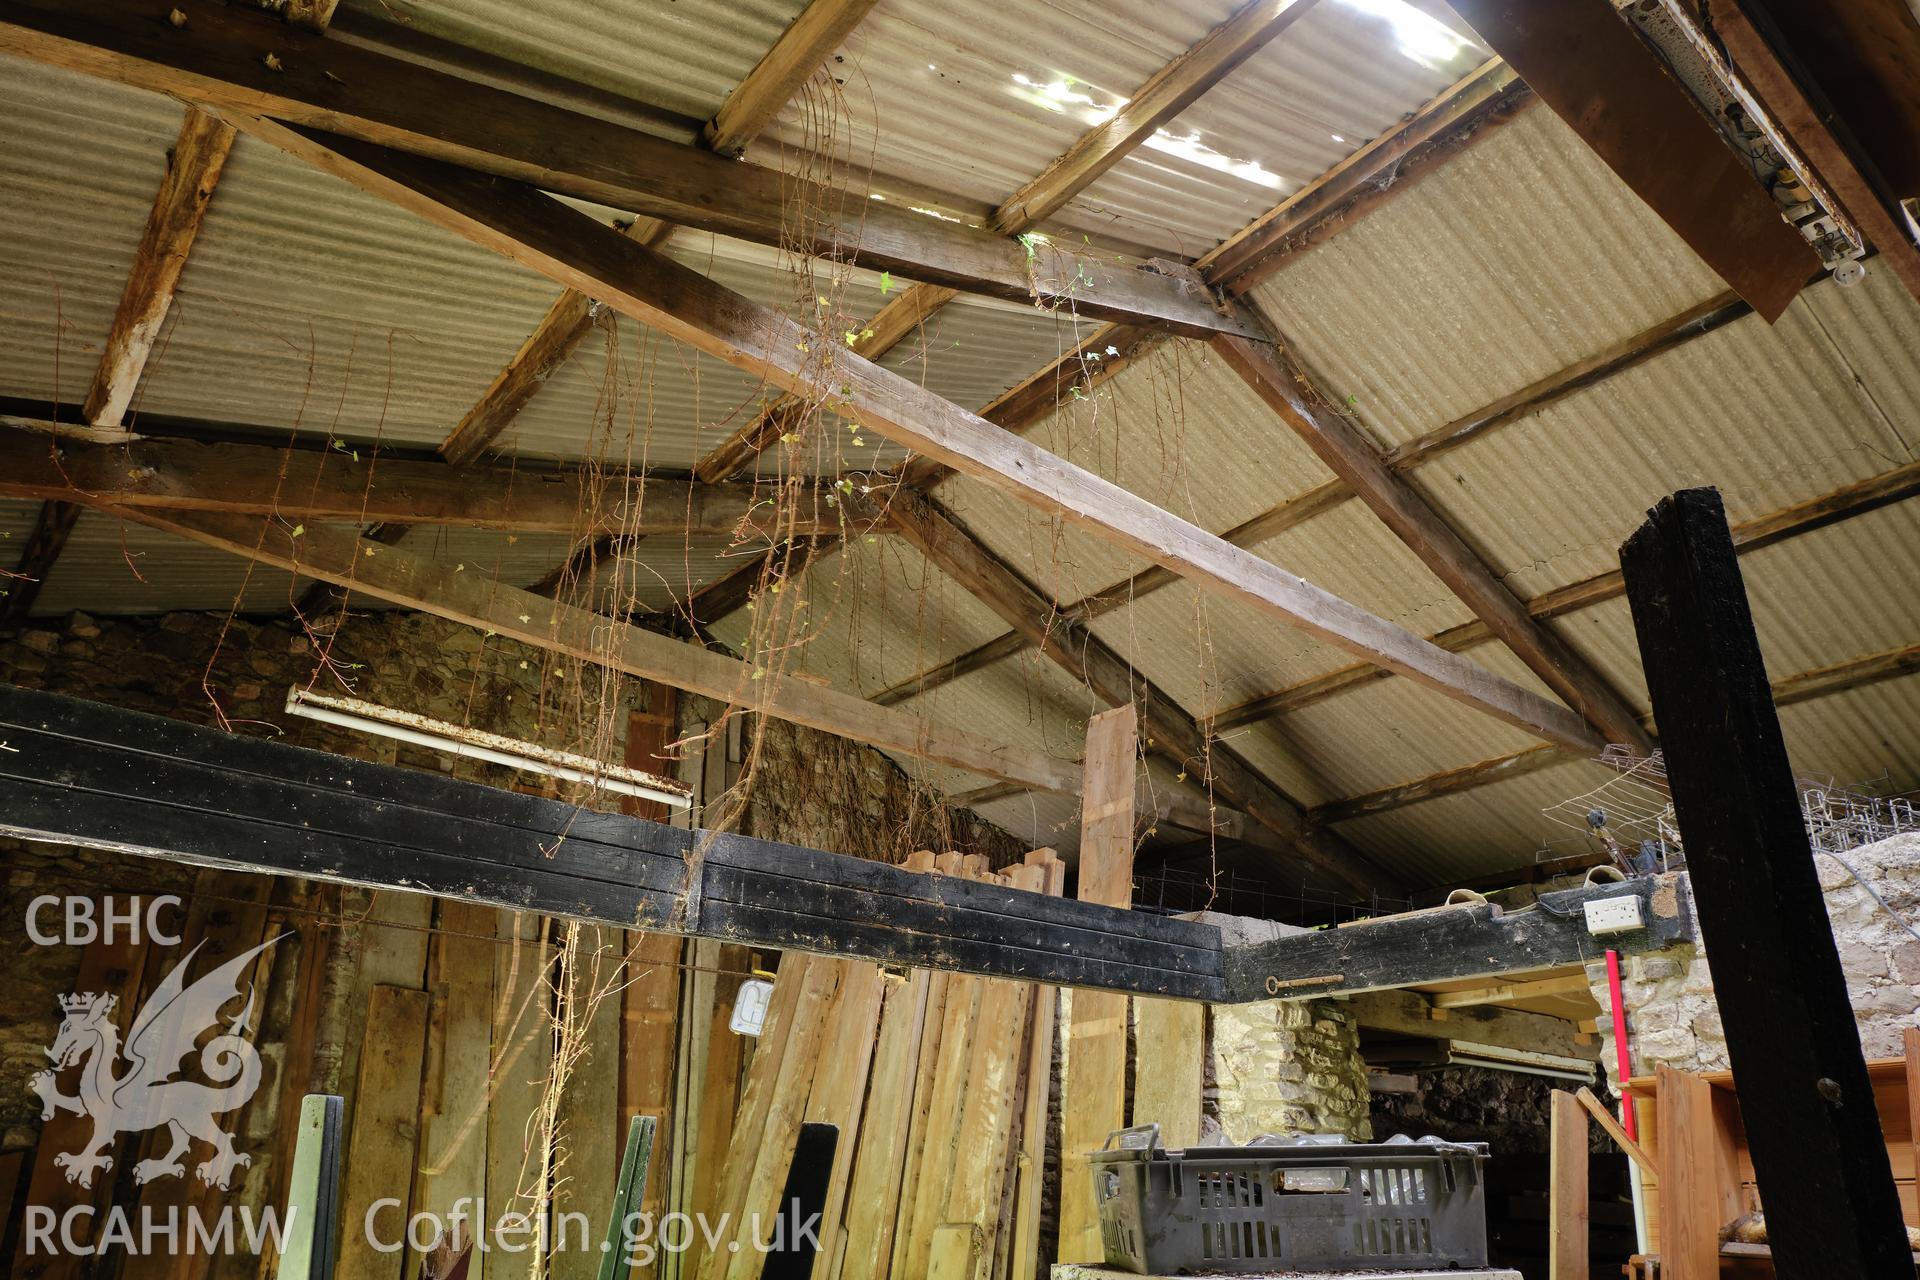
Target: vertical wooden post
(1818, 1154)
(1093, 1097)
(1567, 1161)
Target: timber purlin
(77, 772)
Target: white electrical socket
(1613, 915)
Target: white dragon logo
(145, 1096)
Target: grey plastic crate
(1274, 1206)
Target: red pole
(1620, 1043)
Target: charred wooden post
(1818, 1153)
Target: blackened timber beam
(440, 588)
(1629, 107)
(1468, 941)
(1801, 518)
(1339, 443)
(1488, 96)
(236, 63)
(1172, 731)
(81, 773)
(1076, 371)
(38, 459)
(1819, 1156)
(1805, 686)
(541, 232)
(21, 587)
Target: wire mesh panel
(1274, 1206)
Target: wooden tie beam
(85, 774)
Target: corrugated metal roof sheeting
(1472, 833)
(1771, 416)
(308, 301)
(1026, 702)
(111, 566)
(685, 55)
(931, 89)
(1839, 593)
(876, 613)
(1177, 428)
(1866, 738)
(1519, 257)
(80, 160)
(1340, 75)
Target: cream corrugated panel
(1521, 256)
(309, 302)
(1876, 326)
(685, 55)
(1493, 828)
(1839, 593)
(1177, 428)
(110, 567)
(876, 613)
(1867, 738)
(974, 99)
(1771, 416)
(80, 160)
(1026, 702)
(1390, 731)
(1340, 75)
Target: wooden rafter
(1504, 412)
(1448, 782)
(1339, 443)
(1171, 730)
(1166, 93)
(194, 166)
(437, 587)
(822, 27)
(1629, 107)
(1488, 95)
(752, 105)
(238, 63)
(347, 485)
(580, 566)
(541, 232)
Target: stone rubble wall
(1672, 1019)
(808, 787)
(1284, 1067)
